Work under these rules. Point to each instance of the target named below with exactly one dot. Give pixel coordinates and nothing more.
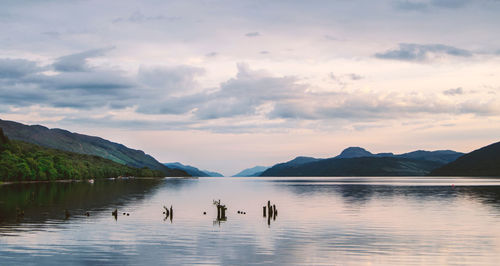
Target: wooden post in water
(264, 211)
(223, 211)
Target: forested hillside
(21, 161)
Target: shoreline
(2, 183)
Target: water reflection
(40, 202)
(320, 221)
(362, 194)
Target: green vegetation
(21, 161)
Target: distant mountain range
(482, 162)
(254, 171)
(356, 161)
(191, 170)
(213, 174)
(73, 142)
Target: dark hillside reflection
(362, 193)
(49, 201)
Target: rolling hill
(191, 170)
(21, 161)
(356, 161)
(78, 143)
(254, 171)
(482, 162)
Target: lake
(330, 221)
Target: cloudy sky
(225, 85)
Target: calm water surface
(333, 221)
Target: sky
(227, 85)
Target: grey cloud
(264, 52)
(332, 38)
(253, 34)
(479, 108)
(130, 124)
(238, 96)
(422, 52)
(354, 76)
(78, 62)
(344, 79)
(17, 68)
(449, 3)
(245, 93)
(452, 92)
(173, 90)
(412, 5)
(138, 17)
(359, 106)
(212, 54)
(23, 83)
(169, 79)
(351, 76)
(52, 34)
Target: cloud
(412, 5)
(78, 62)
(52, 34)
(169, 79)
(344, 79)
(17, 68)
(211, 54)
(251, 95)
(449, 3)
(253, 34)
(422, 52)
(377, 106)
(255, 93)
(24, 83)
(453, 92)
(243, 95)
(138, 17)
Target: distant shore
(86, 180)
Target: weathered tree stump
(221, 211)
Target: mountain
(443, 156)
(73, 142)
(21, 161)
(354, 152)
(362, 166)
(213, 174)
(191, 170)
(301, 160)
(482, 162)
(254, 171)
(356, 161)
